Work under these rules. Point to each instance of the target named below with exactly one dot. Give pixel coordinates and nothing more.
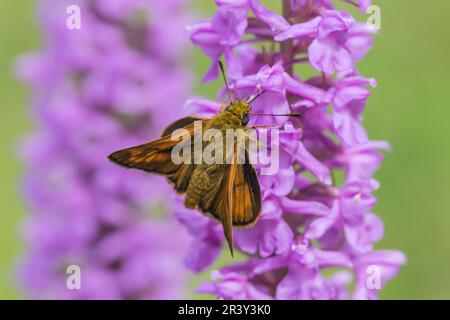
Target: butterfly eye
(227, 108)
(244, 120)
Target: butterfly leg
(264, 126)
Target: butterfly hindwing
(237, 199)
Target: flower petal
(306, 29)
(275, 21)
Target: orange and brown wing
(238, 202)
(246, 195)
(156, 156)
(185, 122)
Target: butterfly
(228, 192)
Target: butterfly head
(240, 109)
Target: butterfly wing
(156, 156)
(238, 200)
(185, 122)
(245, 193)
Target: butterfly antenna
(256, 97)
(222, 69)
(294, 115)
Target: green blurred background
(410, 61)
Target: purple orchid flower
(310, 222)
(94, 92)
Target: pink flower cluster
(94, 91)
(316, 234)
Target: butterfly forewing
(156, 156)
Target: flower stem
(295, 61)
(287, 46)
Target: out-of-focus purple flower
(349, 99)
(230, 21)
(382, 265)
(335, 40)
(360, 40)
(232, 285)
(351, 216)
(271, 235)
(226, 29)
(310, 222)
(94, 91)
(207, 242)
(364, 5)
(362, 161)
